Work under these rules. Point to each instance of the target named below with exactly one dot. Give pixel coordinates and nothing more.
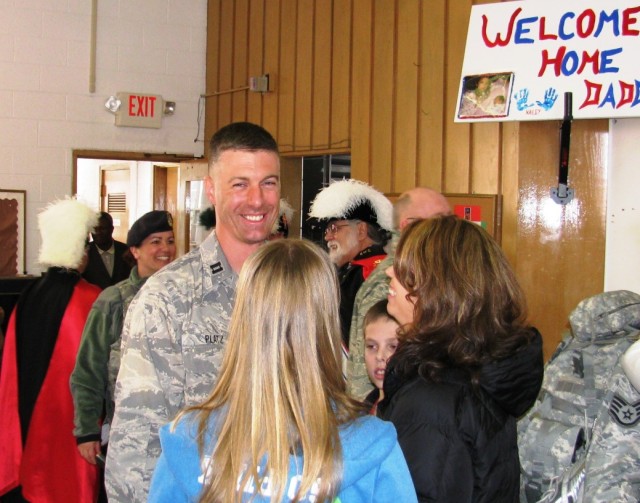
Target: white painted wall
(622, 263)
(46, 109)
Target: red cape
(49, 467)
(369, 264)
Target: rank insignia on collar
(216, 268)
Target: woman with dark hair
(467, 365)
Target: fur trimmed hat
(285, 216)
(353, 200)
(64, 228)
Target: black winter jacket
(460, 442)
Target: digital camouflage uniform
(172, 349)
(374, 289)
(585, 388)
(94, 376)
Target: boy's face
(380, 342)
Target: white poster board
(622, 260)
(521, 58)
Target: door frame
(113, 155)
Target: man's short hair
(241, 136)
(103, 215)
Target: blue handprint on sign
(522, 97)
(550, 97)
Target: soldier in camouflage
(175, 329)
(417, 203)
(152, 244)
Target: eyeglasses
(332, 229)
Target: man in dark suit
(106, 266)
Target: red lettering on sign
(499, 40)
(555, 62)
(543, 30)
(593, 94)
(142, 106)
(628, 21)
(626, 93)
(141, 103)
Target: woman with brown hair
(279, 425)
(467, 365)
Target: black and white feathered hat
(64, 228)
(352, 200)
(285, 217)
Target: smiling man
(176, 328)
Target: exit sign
(140, 110)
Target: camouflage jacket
(94, 376)
(172, 348)
(581, 437)
(374, 289)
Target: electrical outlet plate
(259, 84)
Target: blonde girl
(279, 425)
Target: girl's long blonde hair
(281, 390)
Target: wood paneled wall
(378, 79)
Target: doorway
(127, 185)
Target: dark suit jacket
(96, 272)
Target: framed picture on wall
(12, 232)
(482, 209)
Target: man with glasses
(358, 221)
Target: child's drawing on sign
(521, 98)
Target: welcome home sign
(521, 58)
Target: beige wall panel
(485, 157)
(256, 57)
(240, 60)
(210, 120)
(457, 136)
(558, 244)
(287, 93)
(382, 105)
(509, 189)
(304, 88)
(340, 119)
(272, 66)
(431, 103)
(322, 47)
(405, 140)
(361, 90)
(225, 79)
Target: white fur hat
(353, 199)
(64, 227)
(285, 216)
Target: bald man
(414, 204)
